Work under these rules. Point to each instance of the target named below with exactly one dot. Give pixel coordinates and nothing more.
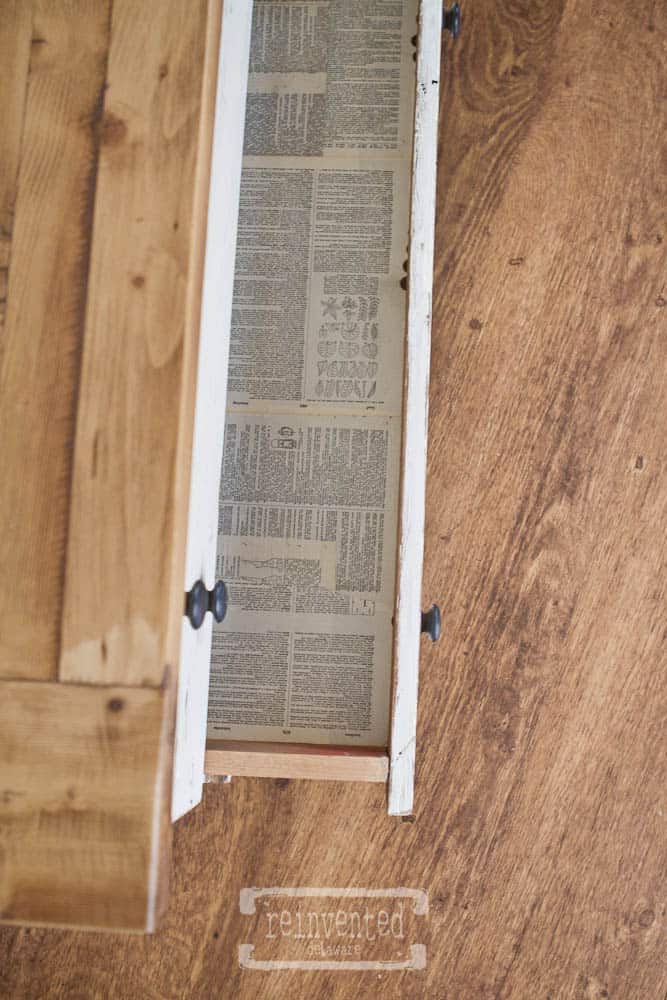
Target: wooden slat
(43, 324)
(415, 422)
(284, 760)
(216, 308)
(15, 30)
(82, 811)
(125, 560)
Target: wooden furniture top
(104, 158)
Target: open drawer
(318, 520)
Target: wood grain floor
(541, 804)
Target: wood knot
(113, 131)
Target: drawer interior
(309, 498)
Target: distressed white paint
(211, 396)
(415, 419)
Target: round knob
(199, 600)
(196, 604)
(432, 622)
(451, 20)
(218, 601)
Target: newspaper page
(308, 515)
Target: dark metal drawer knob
(217, 602)
(451, 20)
(432, 622)
(199, 600)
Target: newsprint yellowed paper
(309, 491)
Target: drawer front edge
(415, 422)
(209, 424)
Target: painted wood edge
(277, 760)
(209, 420)
(415, 424)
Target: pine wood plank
(124, 598)
(41, 342)
(15, 33)
(83, 818)
(285, 760)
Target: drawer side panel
(211, 396)
(415, 426)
